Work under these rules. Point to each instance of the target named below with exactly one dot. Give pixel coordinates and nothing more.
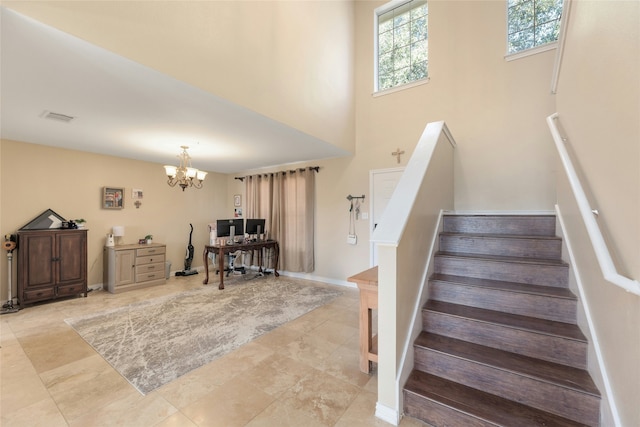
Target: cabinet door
(125, 265)
(37, 265)
(71, 255)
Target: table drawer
(151, 259)
(157, 250)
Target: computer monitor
(255, 227)
(223, 227)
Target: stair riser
(541, 274)
(540, 306)
(504, 246)
(437, 414)
(561, 401)
(546, 347)
(517, 225)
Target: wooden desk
(221, 250)
(367, 282)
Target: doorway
(382, 183)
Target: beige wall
(494, 108)
(70, 183)
(598, 102)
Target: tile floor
(305, 373)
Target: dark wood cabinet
(51, 264)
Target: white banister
(588, 216)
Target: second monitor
(255, 227)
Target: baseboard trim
(387, 414)
(315, 278)
(613, 409)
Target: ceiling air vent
(57, 116)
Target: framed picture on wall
(112, 198)
(237, 200)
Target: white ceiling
(124, 109)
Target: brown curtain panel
(286, 200)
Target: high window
(532, 23)
(401, 43)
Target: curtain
(286, 200)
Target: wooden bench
(367, 282)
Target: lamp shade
(170, 170)
(118, 230)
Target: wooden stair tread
(499, 236)
(501, 258)
(479, 404)
(532, 324)
(552, 291)
(552, 373)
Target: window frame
(535, 49)
(379, 11)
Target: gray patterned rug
(154, 342)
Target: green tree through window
(402, 43)
(532, 23)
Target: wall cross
(398, 153)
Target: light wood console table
(367, 282)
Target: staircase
(500, 345)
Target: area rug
(154, 342)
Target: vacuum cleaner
(9, 245)
(188, 271)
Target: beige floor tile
(276, 374)
(44, 413)
(176, 420)
(129, 411)
(343, 363)
(279, 337)
(321, 396)
(284, 414)
(234, 404)
(85, 386)
(7, 337)
(192, 386)
(336, 333)
(53, 347)
(20, 385)
(310, 349)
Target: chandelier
(184, 175)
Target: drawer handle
(151, 251)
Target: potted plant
(149, 239)
(80, 222)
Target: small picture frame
(137, 193)
(112, 198)
(237, 200)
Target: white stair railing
(588, 214)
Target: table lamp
(118, 232)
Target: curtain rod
(313, 168)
